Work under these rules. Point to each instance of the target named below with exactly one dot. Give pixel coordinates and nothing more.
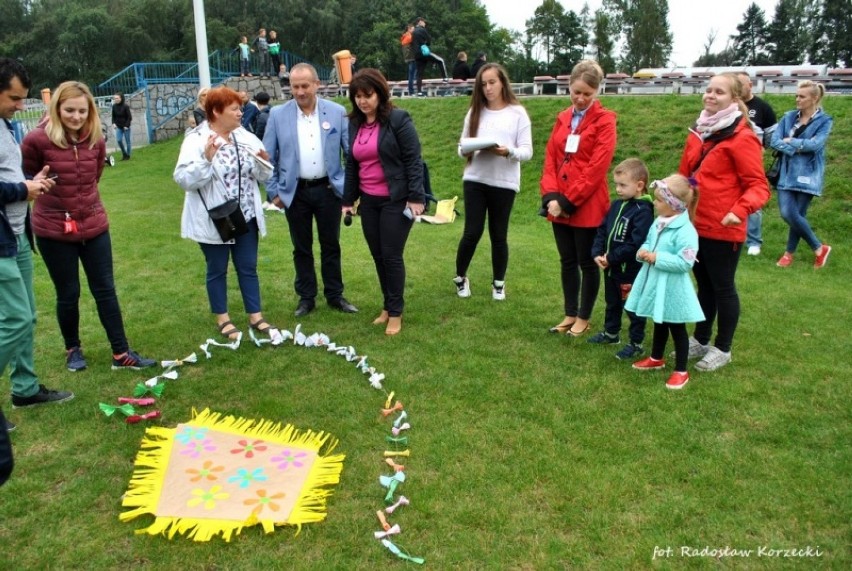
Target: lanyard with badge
(572, 143)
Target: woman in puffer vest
(70, 222)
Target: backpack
(258, 123)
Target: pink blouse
(365, 150)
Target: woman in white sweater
(492, 175)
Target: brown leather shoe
(382, 318)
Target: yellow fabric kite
(216, 475)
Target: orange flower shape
(263, 501)
(206, 471)
(249, 449)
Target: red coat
(730, 179)
(579, 183)
(76, 192)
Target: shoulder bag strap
(239, 176)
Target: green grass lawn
(529, 450)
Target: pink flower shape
(194, 449)
(249, 449)
(286, 458)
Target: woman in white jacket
(221, 161)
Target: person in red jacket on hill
(70, 222)
(725, 157)
(575, 194)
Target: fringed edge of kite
(319, 442)
(151, 463)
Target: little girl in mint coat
(663, 289)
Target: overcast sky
(690, 21)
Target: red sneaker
(822, 257)
(785, 261)
(649, 364)
(678, 380)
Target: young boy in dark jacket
(614, 251)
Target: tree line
(816, 31)
(90, 40)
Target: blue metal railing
(223, 64)
(140, 76)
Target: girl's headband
(668, 197)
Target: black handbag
(228, 217)
(229, 220)
(773, 173)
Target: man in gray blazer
(305, 138)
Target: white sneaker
(714, 359)
(462, 285)
(696, 349)
(753, 250)
(498, 291)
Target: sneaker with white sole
(753, 251)
(462, 286)
(696, 349)
(714, 359)
(604, 338)
(630, 351)
(43, 396)
(131, 360)
(822, 256)
(649, 364)
(498, 290)
(74, 359)
(678, 380)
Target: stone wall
(187, 94)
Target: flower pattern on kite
(194, 449)
(244, 478)
(207, 497)
(249, 448)
(190, 433)
(205, 472)
(263, 501)
(287, 458)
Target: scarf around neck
(708, 124)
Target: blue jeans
(63, 260)
(244, 254)
(122, 136)
(754, 237)
(412, 74)
(794, 207)
(17, 319)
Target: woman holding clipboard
(499, 127)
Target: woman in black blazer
(385, 171)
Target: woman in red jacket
(70, 222)
(574, 191)
(723, 154)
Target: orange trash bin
(343, 63)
